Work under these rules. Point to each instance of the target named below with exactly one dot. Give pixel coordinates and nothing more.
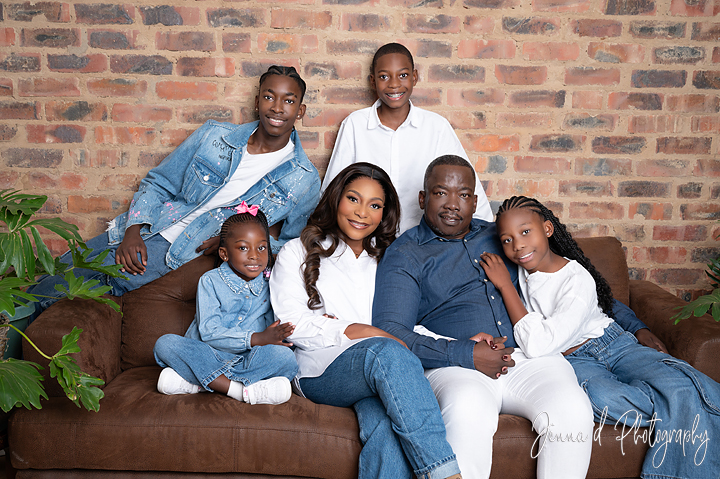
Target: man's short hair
(451, 160)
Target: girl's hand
(273, 334)
(494, 343)
(359, 330)
(496, 270)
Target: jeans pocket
(708, 389)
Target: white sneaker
(269, 391)
(171, 382)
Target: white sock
(236, 391)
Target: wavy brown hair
(322, 224)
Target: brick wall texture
(607, 110)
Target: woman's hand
(496, 270)
(494, 343)
(127, 253)
(273, 334)
(359, 330)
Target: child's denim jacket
(189, 176)
(229, 310)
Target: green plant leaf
(16, 203)
(11, 290)
(79, 387)
(699, 307)
(69, 342)
(65, 230)
(20, 384)
(28, 255)
(43, 253)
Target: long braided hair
(322, 224)
(563, 244)
(245, 218)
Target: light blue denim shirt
(189, 176)
(228, 310)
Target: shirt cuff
(461, 353)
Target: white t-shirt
(563, 310)
(346, 285)
(404, 154)
(250, 170)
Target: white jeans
(543, 390)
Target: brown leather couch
(140, 433)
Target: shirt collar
(425, 234)
(238, 285)
(412, 119)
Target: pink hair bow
(244, 208)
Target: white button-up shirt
(346, 285)
(404, 154)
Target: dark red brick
(117, 87)
(121, 135)
(7, 37)
(306, 19)
(586, 121)
(350, 2)
(684, 145)
(113, 40)
(333, 70)
(104, 14)
(705, 123)
(324, 117)
(618, 145)
(425, 48)
(556, 143)
(182, 41)
(630, 234)
(287, 43)
(466, 120)
(672, 168)
(550, 51)
(508, 187)
(629, 7)
(587, 100)
(457, 73)
(537, 98)
(172, 90)
(643, 189)
(690, 190)
(588, 230)
(523, 120)
(538, 164)
(75, 111)
(474, 48)
(206, 67)
(596, 210)
(653, 29)
(55, 133)
(692, 233)
(700, 211)
(659, 78)
(716, 55)
(492, 143)
(365, 22)
(100, 158)
(518, 75)
(72, 63)
(140, 113)
(531, 25)
(427, 97)
(707, 167)
(150, 159)
(673, 276)
(706, 80)
(343, 47)
(603, 167)
(20, 62)
(15, 110)
(54, 12)
(201, 114)
(491, 164)
(616, 52)
(494, 4)
(575, 6)
(431, 23)
(585, 188)
(635, 101)
(596, 28)
(348, 95)
(49, 86)
(591, 76)
(705, 255)
(32, 157)
(473, 97)
(715, 192)
(705, 32)
(231, 17)
(660, 255)
(693, 103)
(6, 87)
(170, 15)
(139, 64)
(236, 42)
(50, 37)
(655, 124)
(692, 8)
(479, 25)
(7, 133)
(678, 55)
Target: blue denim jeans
(201, 364)
(157, 248)
(400, 423)
(632, 386)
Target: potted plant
(707, 303)
(20, 264)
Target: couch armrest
(99, 342)
(695, 340)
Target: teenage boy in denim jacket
(176, 213)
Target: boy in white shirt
(398, 136)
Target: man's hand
(127, 253)
(273, 334)
(647, 338)
(209, 246)
(493, 362)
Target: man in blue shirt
(431, 277)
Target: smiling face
(449, 200)
(246, 250)
(278, 105)
(394, 79)
(524, 237)
(360, 211)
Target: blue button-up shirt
(438, 283)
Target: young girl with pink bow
(233, 346)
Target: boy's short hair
(451, 160)
(287, 72)
(389, 48)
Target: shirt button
(240, 318)
(476, 261)
(499, 323)
(492, 297)
(485, 280)
(206, 177)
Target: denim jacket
(189, 176)
(228, 310)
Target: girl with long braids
(233, 346)
(324, 282)
(567, 308)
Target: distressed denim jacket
(189, 176)
(228, 310)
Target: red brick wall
(608, 110)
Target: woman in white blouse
(323, 282)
